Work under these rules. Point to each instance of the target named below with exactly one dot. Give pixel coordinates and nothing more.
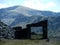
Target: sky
(48, 5)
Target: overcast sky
(50, 5)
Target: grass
(53, 41)
(36, 36)
(19, 42)
(29, 42)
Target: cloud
(37, 4)
(34, 4)
(50, 4)
(3, 6)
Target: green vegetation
(29, 42)
(36, 36)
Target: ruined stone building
(26, 32)
(18, 33)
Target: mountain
(21, 16)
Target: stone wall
(6, 31)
